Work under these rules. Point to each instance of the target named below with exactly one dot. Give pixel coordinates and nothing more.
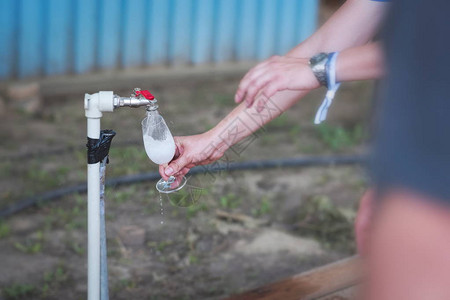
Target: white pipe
(94, 105)
(93, 184)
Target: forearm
(242, 121)
(353, 24)
(360, 63)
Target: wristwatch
(318, 64)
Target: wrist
(214, 141)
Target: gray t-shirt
(412, 135)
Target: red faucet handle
(146, 94)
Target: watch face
(318, 57)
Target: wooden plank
(350, 293)
(309, 285)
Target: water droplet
(162, 208)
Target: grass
(224, 100)
(332, 226)
(230, 201)
(193, 210)
(41, 177)
(193, 259)
(51, 281)
(54, 279)
(124, 284)
(121, 195)
(69, 218)
(76, 248)
(338, 138)
(6, 168)
(160, 246)
(19, 291)
(5, 230)
(31, 245)
(129, 160)
(280, 122)
(264, 208)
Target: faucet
(137, 99)
(106, 101)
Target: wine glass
(160, 147)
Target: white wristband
(333, 86)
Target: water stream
(162, 208)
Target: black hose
(213, 168)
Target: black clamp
(98, 149)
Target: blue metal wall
(49, 37)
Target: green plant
(338, 138)
(54, 279)
(264, 207)
(223, 100)
(6, 167)
(181, 199)
(41, 178)
(5, 230)
(124, 284)
(332, 226)
(269, 139)
(59, 275)
(294, 131)
(77, 248)
(280, 122)
(159, 246)
(193, 259)
(31, 245)
(193, 210)
(27, 247)
(19, 291)
(122, 195)
(230, 201)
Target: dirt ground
(280, 221)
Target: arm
(210, 146)
(363, 62)
(353, 24)
(281, 73)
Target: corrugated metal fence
(49, 37)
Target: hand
(276, 74)
(192, 151)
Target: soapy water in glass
(160, 148)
